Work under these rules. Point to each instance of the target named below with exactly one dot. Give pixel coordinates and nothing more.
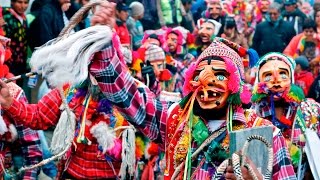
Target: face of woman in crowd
(20, 6)
(309, 33)
(212, 78)
(229, 31)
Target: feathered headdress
(66, 60)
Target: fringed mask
(275, 79)
(217, 78)
(212, 78)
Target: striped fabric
(141, 108)
(264, 110)
(138, 104)
(27, 145)
(84, 163)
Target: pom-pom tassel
(253, 57)
(105, 136)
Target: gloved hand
(148, 74)
(172, 69)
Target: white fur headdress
(66, 60)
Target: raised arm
(133, 99)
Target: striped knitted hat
(276, 56)
(232, 54)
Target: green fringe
(184, 100)
(295, 158)
(296, 93)
(234, 99)
(256, 97)
(200, 131)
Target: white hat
(216, 24)
(137, 9)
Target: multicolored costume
(180, 128)
(274, 89)
(96, 141)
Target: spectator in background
(50, 20)
(197, 8)
(293, 15)
(317, 21)
(121, 27)
(150, 19)
(274, 34)
(304, 43)
(231, 33)
(306, 8)
(134, 25)
(261, 10)
(314, 91)
(302, 77)
(214, 11)
(316, 6)
(16, 29)
(170, 12)
(187, 20)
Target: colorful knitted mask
(275, 77)
(227, 52)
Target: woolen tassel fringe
(128, 153)
(64, 132)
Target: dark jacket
(49, 23)
(272, 37)
(314, 91)
(295, 18)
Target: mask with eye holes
(275, 75)
(212, 78)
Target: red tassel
(165, 75)
(153, 150)
(286, 121)
(242, 51)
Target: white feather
(14, 133)
(3, 126)
(66, 60)
(104, 134)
